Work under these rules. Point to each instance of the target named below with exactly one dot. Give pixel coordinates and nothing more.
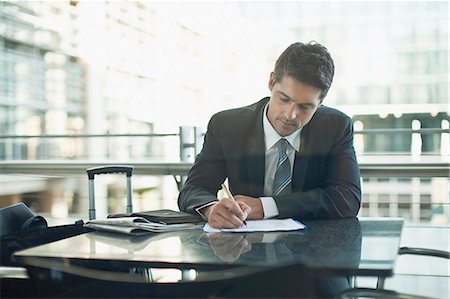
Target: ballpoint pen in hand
(229, 195)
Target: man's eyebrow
(309, 104)
(285, 95)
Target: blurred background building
(94, 68)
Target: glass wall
(75, 71)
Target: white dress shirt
(271, 137)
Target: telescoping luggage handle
(128, 170)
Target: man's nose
(291, 112)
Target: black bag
(20, 228)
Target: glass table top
(364, 246)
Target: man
(284, 156)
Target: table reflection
(326, 244)
(330, 245)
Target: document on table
(266, 225)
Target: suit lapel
(301, 162)
(255, 161)
(255, 156)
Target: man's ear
(270, 84)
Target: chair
(379, 292)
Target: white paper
(266, 225)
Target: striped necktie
(283, 175)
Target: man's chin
(284, 133)
(285, 130)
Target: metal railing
(63, 168)
(191, 139)
(184, 129)
(403, 131)
(86, 135)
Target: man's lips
(287, 123)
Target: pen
(228, 193)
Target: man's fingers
(223, 218)
(230, 221)
(246, 209)
(228, 213)
(236, 208)
(228, 207)
(231, 205)
(223, 223)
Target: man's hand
(227, 213)
(256, 212)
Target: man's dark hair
(309, 63)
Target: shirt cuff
(270, 208)
(204, 206)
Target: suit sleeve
(207, 173)
(339, 195)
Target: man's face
(292, 104)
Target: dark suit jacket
(325, 180)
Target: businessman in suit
(286, 155)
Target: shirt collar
(271, 136)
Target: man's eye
(284, 99)
(306, 107)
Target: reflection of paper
(266, 225)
